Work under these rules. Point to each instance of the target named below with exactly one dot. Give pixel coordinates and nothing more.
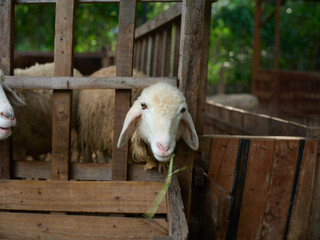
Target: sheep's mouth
(5, 130)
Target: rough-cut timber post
(195, 20)
(127, 18)
(6, 64)
(62, 99)
(256, 42)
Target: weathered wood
(98, 1)
(175, 48)
(62, 99)
(190, 66)
(255, 189)
(223, 162)
(279, 192)
(85, 171)
(165, 18)
(178, 228)
(150, 55)
(166, 47)
(33, 226)
(143, 55)
(79, 196)
(127, 17)
(157, 61)
(6, 65)
(299, 222)
(66, 83)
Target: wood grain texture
(22, 226)
(223, 162)
(166, 49)
(62, 99)
(127, 17)
(299, 222)
(6, 65)
(175, 48)
(279, 193)
(157, 61)
(79, 196)
(66, 83)
(255, 189)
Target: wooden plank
(150, 53)
(71, 227)
(164, 18)
(178, 228)
(157, 62)
(79, 196)
(255, 189)
(62, 99)
(166, 47)
(66, 83)
(97, 1)
(223, 162)
(127, 16)
(190, 66)
(279, 193)
(143, 56)
(299, 222)
(175, 48)
(6, 65)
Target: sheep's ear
(12, 96)
(130, 124)
(188, 131)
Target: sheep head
(7, 119)
(161, 117)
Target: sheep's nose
(162, 148)
(7, 115)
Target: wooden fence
(260, 188)
(66, 209)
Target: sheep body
(32, 136)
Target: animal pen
(235, 187)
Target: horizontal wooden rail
(79, 196)
(157, 22)
(74, 227)
(84, 171)
(84, 82)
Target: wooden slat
(166, 47)
(127, 17)
(164, 18)
(97, 1)
(62, 99)
(22, 226)
(223, 162)
(157, 61)
(190, 67)
(178, 227)
(6, 65)
(79, 196)
(255, 189)
(85, 171)
(175, 48)
(150, 55)
(299, 222)
(65, 83)
(143, 55)
(279, 193)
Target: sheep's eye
(144, 106)
(183, 110)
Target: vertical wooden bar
(62, 99)
(127, 18)
(301, 211)
(175, 48)
(256, 43)
(166, 46)
(143, 55)
(150, 55)
(6, 65)
(255, 188)
(157, 63)
(194, 20)
(279, 192)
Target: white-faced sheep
(7, 116)
(32, 136)
(156, 120)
